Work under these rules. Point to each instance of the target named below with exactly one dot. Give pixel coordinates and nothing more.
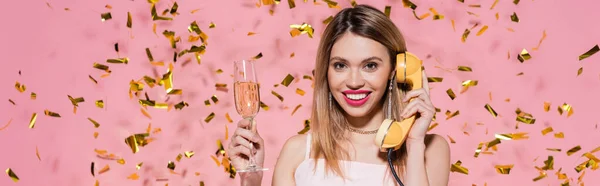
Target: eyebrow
(364, 60)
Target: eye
(371, 66)
(338, 65)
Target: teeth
(356, 96)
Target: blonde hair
(328, 124)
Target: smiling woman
(353, 87)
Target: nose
(356, 80)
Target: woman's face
(358, 73)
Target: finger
(425, 82)
(240, 141)
(240, 150)
(244, 123)
(249, 135)
(417, 106)
(419, 94)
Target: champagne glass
(247, 101)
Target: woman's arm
(428, 161)
(291, 155)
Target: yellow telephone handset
(392, 134)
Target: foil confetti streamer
(155, 16)
(258, 56)
(277, 95)
(450, 138)
(465, 69)
(228, 118)
(434, 79)
(300, 92)
(387, 11)
(93, 169)
(178, 158)
(482, 30)
(145, 113)
(465, 35)
(559, 135)
(133, 176)
(12, 102)
(549, 163)
(504, 169)
(547, 130)
(436, 15)
(514, 17)
(524, 117)
(104, 169)
(251, 33)
(468, 83)
(491, 110)
(139, 165)
(580, 71)
(96, 124)
(95, 135)
(118, 60)
(51, 114)
(180, 105)
(453, 25)
(553, 149)
(264, 106)
(540, 42)
(174, 8)
(171, 165)
(573, 150)
(32, 121)
(105, 16)
(547, 106)
(12, 175)
(287, 80)
(523, 56)
(541, 176)
(99, 103)
(214, 99)
(306, 127)
(513, 136)
(589, 53)
(121, 161)
(303, 28)
(296, 109)
(209, 117)
(432, 127)
(101, 67)
(20, 87)
(7, 124)
(137, 140)
(188, 154)
(516, 2)
(451, 115)
(565, 108)
(451, 93)
(329, 19)
(494, 4)
(292, 55)
(456, 167)
(478, 150)
(475, 6)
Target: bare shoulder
(436, 145)
(291, 155)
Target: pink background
(55, 50)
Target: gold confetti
(465, 35)
(478, 150)
(491, 110)
(559, 135)
(95, 135)
(523, 56)
(589, 53)
(264, 106)
(155, 15)
(387, 11)
(172, 39)
(75, 101)
(432, 127)
(513, 136)
(12, 102)
(171, 165)
(287, 80)
(105, 16)
(7, 124)
(133, 176)
(579, 71)
(436, 15)
(524, 117)
(451, 93)
(180, 105)
(482, 30)
(228, 118)
(277, 95)
(37, 153)
(96, 124)
(32, 121)
(20, 87)
(546, 106)
(494, 5)
(300, 91)
(516, 1)
(12, 175)
(306, 127)
(121, 161)
(329, 19)
(104, 169)
(137, 140)
(549, 163)
(145, 113)
(497, 15)
(434, 79)
(541, 176)
(178, 158)
(451, 115)
(188, 154)
(453, 25)
(451, 140)
(209, 117)
(51, 114)
(552, 149)
(540, 42)
(456, 167)
(118, 60)
(465, 68)
(504, 169)
(304, 28)
(547, 130)
(565, 108)
(296, 109)
(466, 84)
(212, 25)
(251, 33)
(573, 150)
(493, 143)
(514, 17)
(475, 6)
(258, 56)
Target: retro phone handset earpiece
(392, 134)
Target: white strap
(307, 146)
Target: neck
(369, 122)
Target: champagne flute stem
(252, 162)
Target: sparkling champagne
(247, 98)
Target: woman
(356, 57)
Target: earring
(389, 109)
(330, 102)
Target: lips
(356, 97)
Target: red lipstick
(356, 98)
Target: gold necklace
(362, 131)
